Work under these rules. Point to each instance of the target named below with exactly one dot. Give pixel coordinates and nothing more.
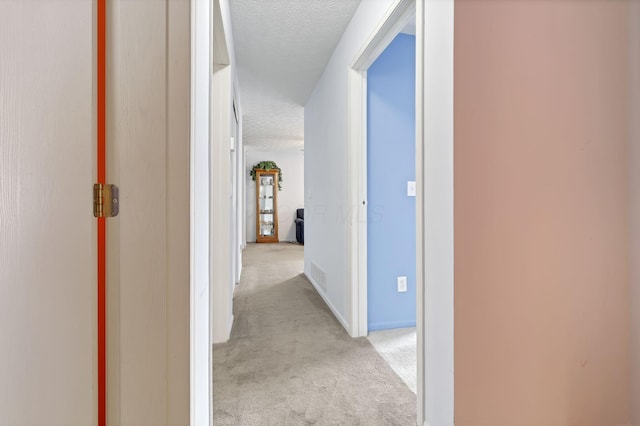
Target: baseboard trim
(217, 338)
(230, 327)
(329, 304)
(388, 325)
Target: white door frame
(210, 309)
(434, 179)
(199, 218)
(384, 34)
(435, 30)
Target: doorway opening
(391, 210)
(434, 195)
(382, 146)
(434, 188)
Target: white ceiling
(281, 48)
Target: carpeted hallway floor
(289, 362)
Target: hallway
(289, 362)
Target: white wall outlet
(411, 188)
(402, 284)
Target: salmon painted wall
(541, 213)
(634, 199)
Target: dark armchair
(300, 225)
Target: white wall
(634, 203)
(291, 162)
(327, 208)
(220, 206)
(240, 193)
(224, 82)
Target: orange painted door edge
(102, 178)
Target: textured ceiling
(281, 48)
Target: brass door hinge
(105, 200)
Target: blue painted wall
(391, 164)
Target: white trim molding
(200, 371)
(434, 180)
(395, 19)
(434, 133)
(358, 199)
(333, 309)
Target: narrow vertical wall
(541, 213)
(241, 199)
(634, 200)
(221, 97)
(219, 205)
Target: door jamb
(392, 24)
(434, 180)
(199, 219)
(434, 133)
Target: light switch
(411, 188)
(402, 284)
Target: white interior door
(47, 230)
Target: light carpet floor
(398, 348)
(289, 362)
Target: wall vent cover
(318, 275)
